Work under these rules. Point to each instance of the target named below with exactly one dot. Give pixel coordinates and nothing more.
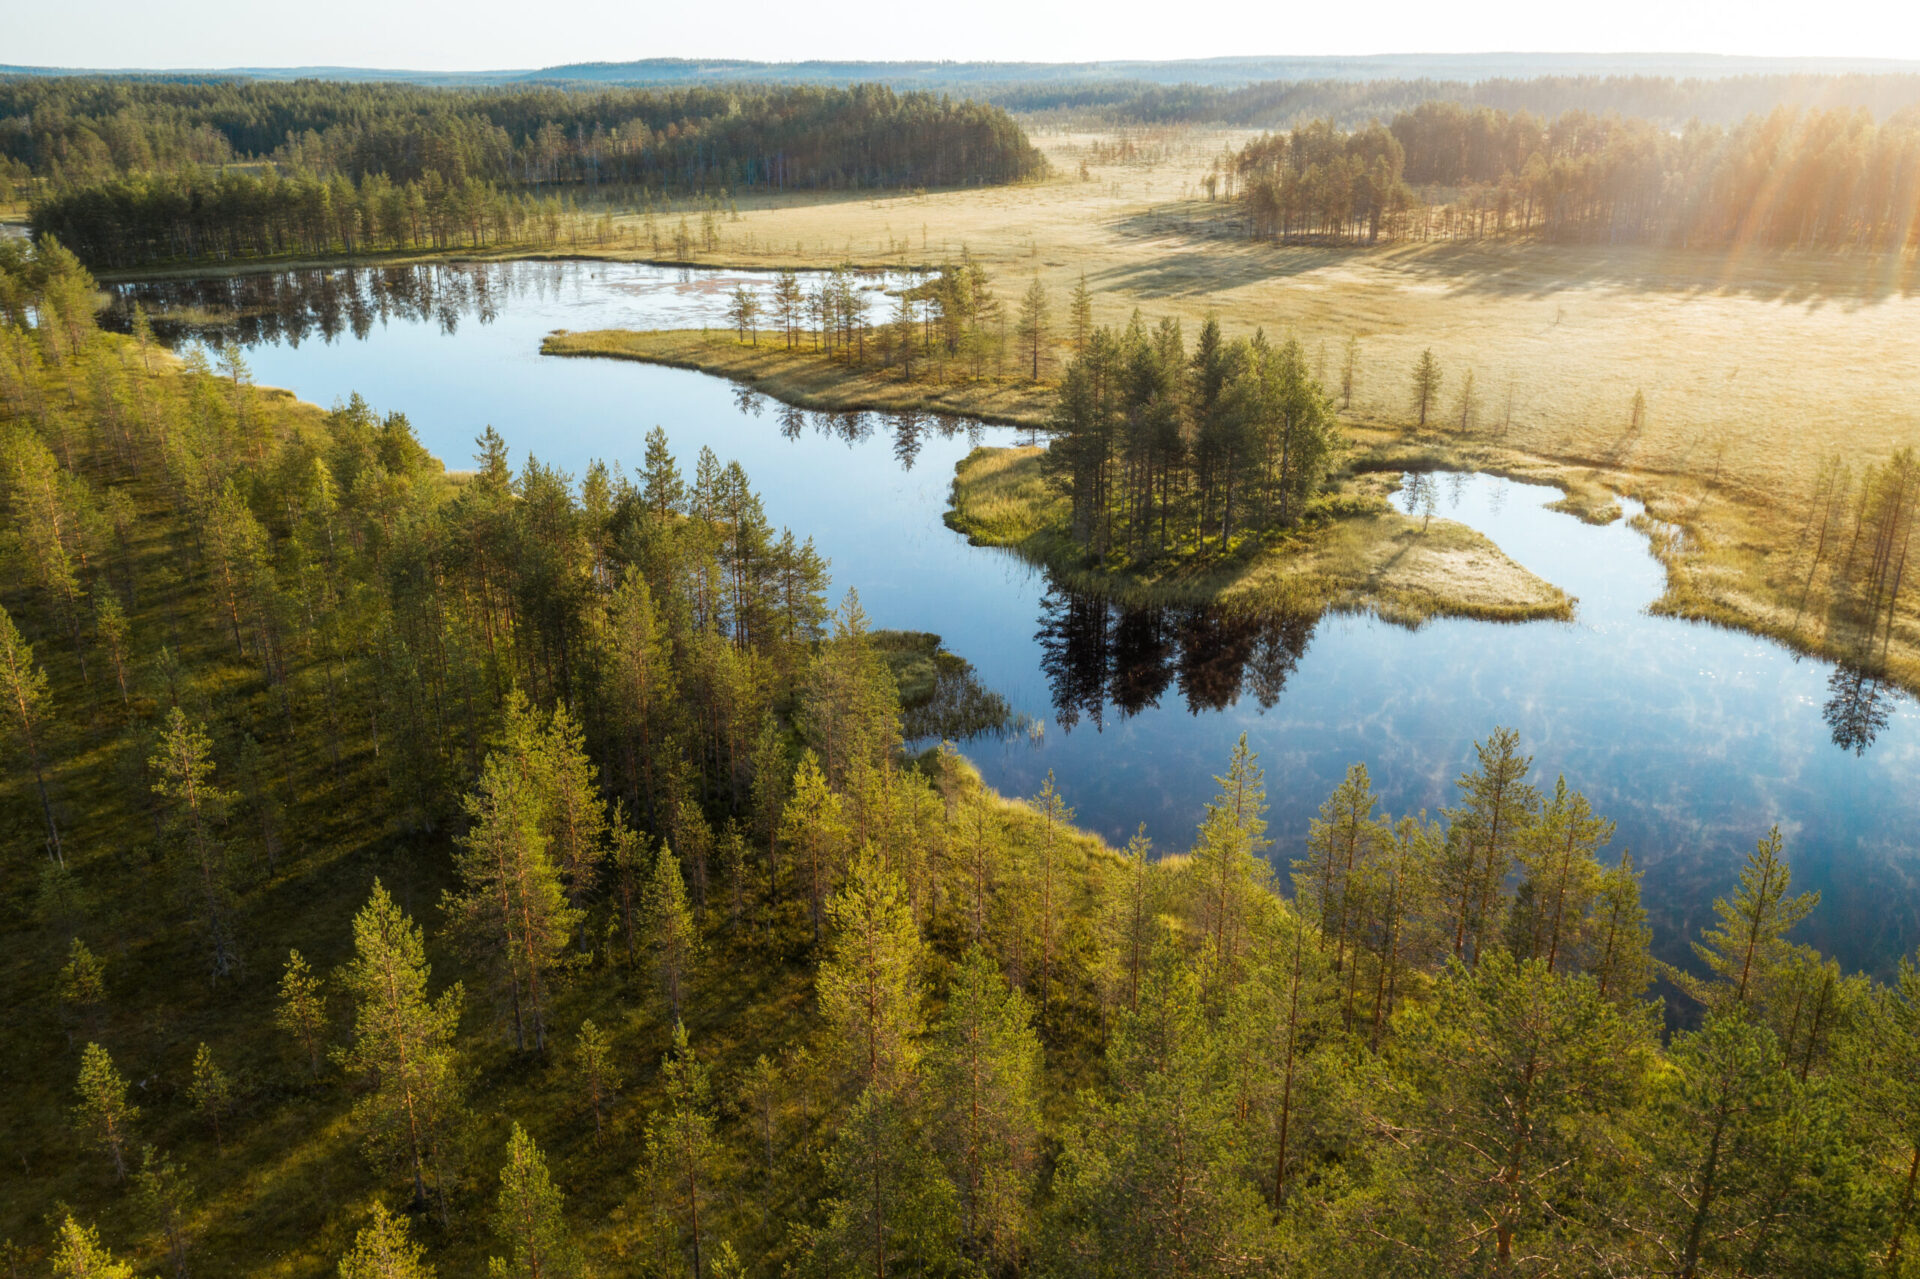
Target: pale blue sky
(483, 34)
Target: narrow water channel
(1693, 739)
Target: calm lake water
(1693, 739)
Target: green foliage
(78, 1254)
(385, 1250)
(211, 1090)
(402, 1048)
(1747, 941)
(681, 1148)
(527, 1218)
(102, 1112)
(302, 1010)
(1162, 453)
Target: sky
(496, 34)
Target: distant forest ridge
(1669, 90)
(1230, 72)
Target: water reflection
(296, 306)
(1859, 707)
(1099, 655)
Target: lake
(1694, 739)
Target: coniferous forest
(129, 172)
(415, 871)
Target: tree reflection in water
(1859, 706)
(1097, 655)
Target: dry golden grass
(1754, 364)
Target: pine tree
(103, 1112)
(1345, 839)
(1559, 878)
(196, 808)
(1349, 371)
(1151, 1181)
(1427, 378)
(598, 1072)
(986, 1081)
(850, 707)
(110, 624)
(511, 913)
(760, 1099)
(813, 828)
(888, 1208)
(1507, 1068)
(302, 1010)
(78, 1254)
(1619, 941)
(163, 1198)
(527, 1218)
(676, 938)
(869, 983)
(576, 817)
(1230, 869)
(1716, 1118)
(23, 687)
(1035, 325)
(1129, 918)
(1080, 316)
(1056, 819)
(1496, 810)
(1747, 940)
(402, 1047)
(384, 1250)
(82, 985)
(681, 1148)
(1881, 1064)
(211, 1091)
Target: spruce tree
(527, 1218)
(103, 1113)
(402, 1048)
